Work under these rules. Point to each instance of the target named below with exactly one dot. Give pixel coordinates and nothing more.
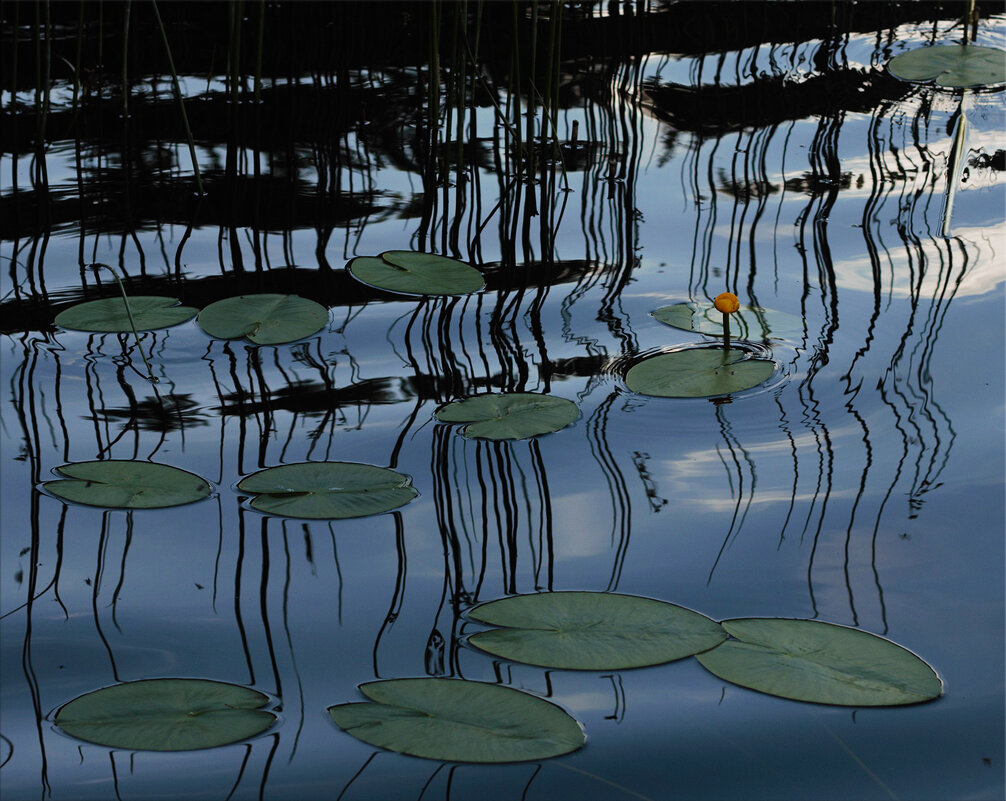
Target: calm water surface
(862, 485)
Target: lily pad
(166, 715)
(328, 490)
(951, 66)
(749, 322)
(698, 373)
(265, 319)
(416, 273)
(109, 315)
(126, 484)
(808, 660)
(458, 721)
(592, 630)
(517, 415)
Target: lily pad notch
(456, 720)
(410, 273)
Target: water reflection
(766, 155)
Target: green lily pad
(126, 484)
(109, 315)
(265, 319)
(517, 415)
(592, 630)
(698, 373)
(749, 322)
(166, 715)
(951, 66)
(328, 490)
(416, 273)
(458, 721)
(824, 663)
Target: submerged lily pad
(416, 273)
(808, 660)
(458, 721)
(109, 315)
(517, 415)
(749, 322)
(328, 490)
(126, 484)
(951, 66)
(166, 715)
(592, 630)
(698, 373)
(265, 319)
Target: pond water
(679, 151)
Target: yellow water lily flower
(727, 302)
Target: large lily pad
(951, 66)
(592, 630)
(698, 373)
(516, 415)
(809, 660)
(166, 715)
(126, 484)
(459, 721)
(109, 315)
(416, 273)
(328, 490)
(749, 322)
(265, 319)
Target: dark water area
(595, 161)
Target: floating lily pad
(416, 273)
(808, 660)
(109, 315)
(458, 721)
(328, 490)
(125, 484)
(592, 630)
(265, 319)
(698, 373)
(517, 415)
(166, 715)
(951, 66)
(749, 322)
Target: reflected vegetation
(595, 163)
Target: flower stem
(132, 323)
(726, 331)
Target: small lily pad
(808, 660)
(749, 322)
(951, 66)
(126, 484)
(166, 715)
(265, 319)
(592, 630)
(458, 721)
(416, 273)
(698, 373)
(328, 490)
(109, 315)
(517, 415)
